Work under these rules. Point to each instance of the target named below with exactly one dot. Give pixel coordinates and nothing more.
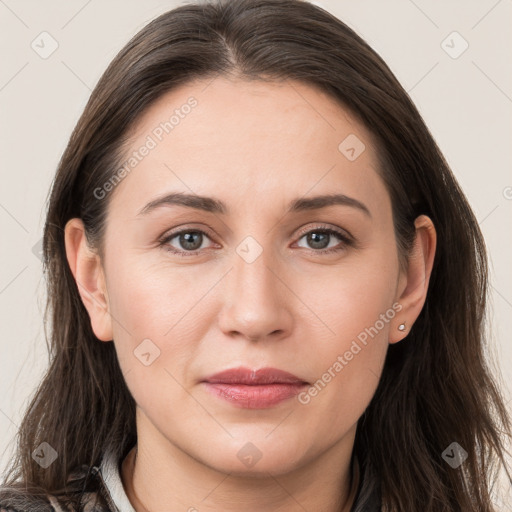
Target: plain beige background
(466, 100)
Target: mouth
(254, 389)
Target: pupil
(187, 241)
(313, 238)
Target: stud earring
(401, 327)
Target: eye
(321, 237)
(189, 242)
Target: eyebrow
(212, 205)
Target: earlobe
(413, 285)
(87, 270)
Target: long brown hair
(436, 387)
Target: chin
(255, 459)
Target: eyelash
(346, 241)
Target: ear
(413, 283)
(87, 270)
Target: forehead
(248, 141)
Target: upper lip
(243, 375)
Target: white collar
(109, 469)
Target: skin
(255, 146)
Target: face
(259, 275)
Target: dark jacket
(100, 489)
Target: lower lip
(254, 397)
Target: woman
(266, 288)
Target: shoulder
(84, 493)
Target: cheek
(353, 298)
(354, 336)
(152, 299)
(146, 310)
(159, 320)
(348, 367)
(353, 310)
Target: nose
(256, 300)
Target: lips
(254, 389)
(248, 377)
